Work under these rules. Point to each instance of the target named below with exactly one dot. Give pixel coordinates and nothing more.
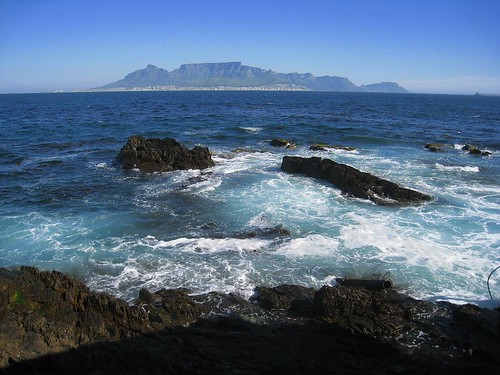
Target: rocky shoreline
(51, 323)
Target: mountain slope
(235, 74)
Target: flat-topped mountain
(237, 75)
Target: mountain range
(232, 75)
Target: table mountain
(235, 74)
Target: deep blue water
(65, 205)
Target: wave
(457, 168)
(250, 129)
(209, 245)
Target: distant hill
(384, 87)
(237, 75)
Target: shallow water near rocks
(66, 205)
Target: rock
(162, 155)
(278, 142)
(51, 323)
(469, 147)
(286, 297)
(352, 181)
(276, 231)
(170, 307)
(434, 147)
(474, 150)
(323, 147)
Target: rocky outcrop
(278, 142)
(435, 147)
(162, 155)
(352, 181)
(51, 323)
(474, 150)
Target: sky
(427, 46)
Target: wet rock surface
(279, 142)
(162, 155)
(352, 181)
(474, 150)
(53, 324)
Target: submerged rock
(162, 155)
(51, 323)
(474, 150)
(435, 147)
(278, 142)
(352, 181)
(276, 231)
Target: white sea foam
(311, 245)
(457, 168)
(213, 245)
(250, 129)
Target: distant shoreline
(277, 87)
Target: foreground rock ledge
(352, 181)
(162, 155)
(53, 324)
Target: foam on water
(67, 206)
(457, 168)
(420, 247)
(212, 245)
(251, 129)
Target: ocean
(66, 205)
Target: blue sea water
(66, 205)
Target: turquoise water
(66, 205)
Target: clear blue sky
(436, 46)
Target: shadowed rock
(53, 324)
(162, 155)
(352, 181)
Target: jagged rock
(51, 323)
(278, 142)
(352, 181)
(323, 147)
(288, 297)
(162, 155)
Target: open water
(66, 205)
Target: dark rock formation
(293, 298)
(53, 324)
(278, 142)
(352, 181)
(276, 231)
(435, 147)
(162, 155)
(474, 150)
